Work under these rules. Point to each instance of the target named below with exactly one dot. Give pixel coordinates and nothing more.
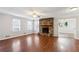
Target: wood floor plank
(39, 43)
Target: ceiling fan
(35, 14)
(74, 8)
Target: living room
(39, 29)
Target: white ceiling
(42, 11)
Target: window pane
(16, 25)
(29, 26)
(36, 26)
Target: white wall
(77, 28)
(68, 17)
(67, 29)
(6, 25)
(55, 27)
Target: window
(36, 26)
(30, 26)
(16, 25)
(33, 26)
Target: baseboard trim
(14, 36)
(9, 37)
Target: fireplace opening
(45, 30)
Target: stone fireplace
(46, 26)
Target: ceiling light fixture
(74, 8)
(35, 14)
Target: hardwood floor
(38, 43)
